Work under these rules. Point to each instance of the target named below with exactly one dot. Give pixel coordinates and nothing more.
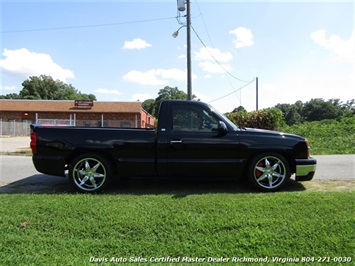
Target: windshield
(230, 123)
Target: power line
(240, 88)
(216, 59)
(88, 26)
(209, 38)
(204, 23)
(232, 92)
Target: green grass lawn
(72, 229)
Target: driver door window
(193, 119)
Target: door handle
(175, 141)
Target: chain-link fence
(15, 128)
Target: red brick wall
(18, 116)
(146, 120)
(84, 119)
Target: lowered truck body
(191, 140)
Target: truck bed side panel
(132, 151)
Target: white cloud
(136, 44)
(22, 63)
(211, 58)
(141, 97)
(202, 97)
(107, 91)
(173, 73)
(244, 37)
(144, 78)
(343, 50)
(8, 88)
(212, 54)
(212, 67)
(156, 76)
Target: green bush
(270, 118)
(327, 136)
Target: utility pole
(257, 94)
(189, 79)
(181, 8)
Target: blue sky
(124, 50)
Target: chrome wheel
(269, 172)
(89, 173)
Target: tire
(90, 173)
(269, 172)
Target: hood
(265, 132)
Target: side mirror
(222, 129)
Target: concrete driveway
(13, 144)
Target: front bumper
(305, 169)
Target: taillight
(33, 143)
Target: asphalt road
(17, 173)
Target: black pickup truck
(191, 140)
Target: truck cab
(195, 141)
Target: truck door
(194, 148)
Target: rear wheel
(269, 172)
(90, 173)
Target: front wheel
(269, 172)
(89, 173)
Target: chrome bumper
(305, 169)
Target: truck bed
(57, 146)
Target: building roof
(68, 106)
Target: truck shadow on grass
(44, 184)
(183, 188)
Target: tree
(10, 96)
(149, 105)
(349, 107)
(317, 109)
(167, 93)
(292, 113)
(45, 88)
(239, 109)
(293, 116)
